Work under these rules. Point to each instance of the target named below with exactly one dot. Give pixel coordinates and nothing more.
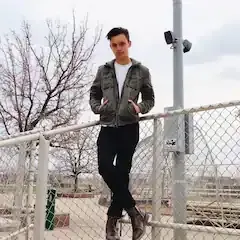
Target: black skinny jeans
(120, 143)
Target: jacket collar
(111, 63)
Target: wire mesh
(17, 188)
(77, 198)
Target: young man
(114, 96)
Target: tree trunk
(76, 183)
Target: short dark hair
(116, 31)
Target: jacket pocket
(133, 84)
(131, 109)
(107, 112)
(127, 113)
(133, 88)
(107, 108)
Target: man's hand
(104, 102)
(136, 107)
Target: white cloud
(219, 43)
(147, 22)
(211, 70)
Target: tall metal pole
(178, 194)
(178, 99)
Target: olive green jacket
(118, 111)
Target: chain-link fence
(185, 175)
(18, 180)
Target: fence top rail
(34, 135)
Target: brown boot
(139, 221)
(111, 229)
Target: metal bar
(29, 136)
(41, 191)
(20, 139)
(35, 136)
(157, 176)
(37, 130)
(192, 228)
(18, 198)
(179, 200)
(70, 128)
(18, 232)
(192, 110)
(30, 186)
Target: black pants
(120, 143)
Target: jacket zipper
(117, 95)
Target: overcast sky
(211, 69)
(211, 72)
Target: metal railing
(197, 200)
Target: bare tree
(44, 83)
(75, 154)
(8, 162)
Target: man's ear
(130, 43)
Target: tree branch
(40, 84)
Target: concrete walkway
(87, 222)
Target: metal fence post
(18, 198)
(178, 193)
(157, 176)
(41, 190)
(30, 187)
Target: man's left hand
(136, 107)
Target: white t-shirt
(121, 72)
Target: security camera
(169, 37)
(186, 46)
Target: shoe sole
(113, 238)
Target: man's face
(119, 45)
